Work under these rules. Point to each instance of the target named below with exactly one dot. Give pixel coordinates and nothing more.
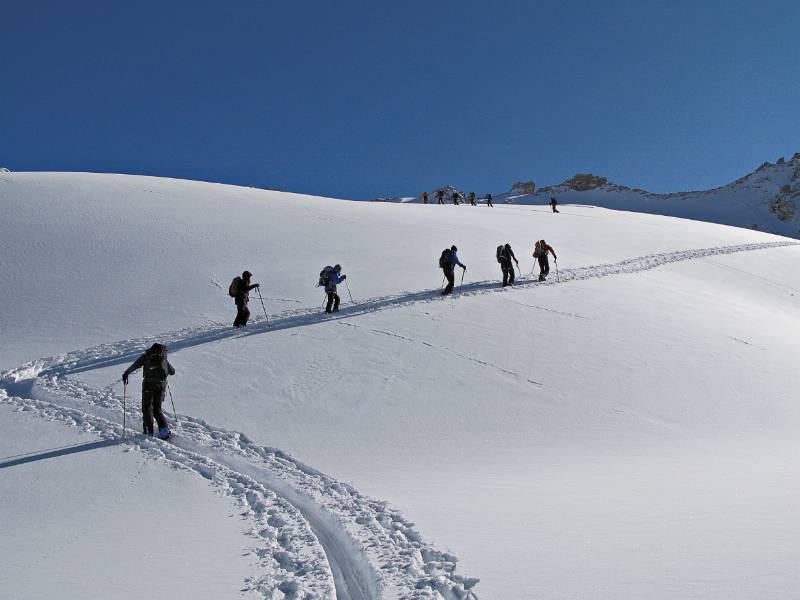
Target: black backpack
(444, 259)
(501, 254)
(155, 363)
(325, 276)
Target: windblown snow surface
(625, 430)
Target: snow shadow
(37, 455)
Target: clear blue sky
(360, 99)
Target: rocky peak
(583, 182)
(523, 188)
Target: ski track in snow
(314, 537)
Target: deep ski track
(314, 537)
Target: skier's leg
(158, 401)
(511, 275)
(336, 300)
(147, 408)
(451, 281)
(329, 305)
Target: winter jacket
(507, 256)
(454, 260)
(140, 362)
(243, 292)
(333, 280)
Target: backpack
(538, 250)
(155, 363)
(444, 259)
(233, 289)
(501, 254)
(325, 276)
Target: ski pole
(124, 410)
(174, 412)
(461, 285)
(558, 278)
(262, 306)
(348, 292)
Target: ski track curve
(314, 537)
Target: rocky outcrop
(523, 188)
(583, 182)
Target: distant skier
(553, 203)
(455, 197)
(425, 197)
(489, 200)
(155, 369)
(330, 277)
(447, 262)
(472, 198)
(504, 256)
(540, 251)
(240, 291)
(440, 196)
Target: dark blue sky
(360, 99)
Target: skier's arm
(170, 369)
(255, 285)
(553, 252)
(511, 252)
(139, 362)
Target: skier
(504, 256)
(472, 198)
(489, 200)
(540, 251)
(553, 203)
(455, 197)
(330, 278)
(447, 262)
(425, 197)
(155, 368)
(240, 290)
(440, 196)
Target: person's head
(157, 349)
(542, 242)
(247, 275)
(453, 248)
(508, 246)
(337, 268)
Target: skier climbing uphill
(330, 277)
(240, 290)
(156, 368)
(504, 256)
(447, 262)
(540, 251)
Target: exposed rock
(781, 160)
(583, 182)
(765, 164)
(523, 188)
(783, 207)
(4, 170)
(796, 156)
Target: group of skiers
(456, 198)
(505, 256)
(156, 367)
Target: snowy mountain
(767, 199)
(626, 429)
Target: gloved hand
(257, 285)
(125, 378)
(344, 277)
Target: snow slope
(625, 430)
